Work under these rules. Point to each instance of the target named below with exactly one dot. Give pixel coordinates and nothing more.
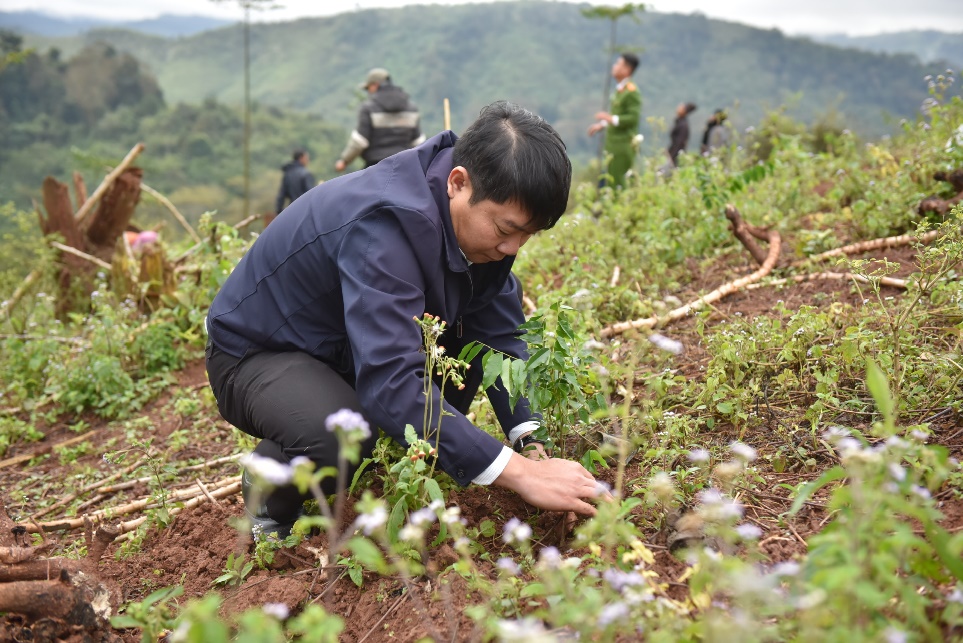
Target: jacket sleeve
(383, 285)
(279, 201)
(360, 138)
(308, 182)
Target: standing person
(296, 180)
(716, 135)
(388, 123)
(317, 316)
(679, 137)
(622, 123)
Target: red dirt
(193, 550)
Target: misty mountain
(929, 46)
(169, 26)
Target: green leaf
(808, 489)
(434, 491)
(879, 388)
(492, 368)
(366, 553)
(396, 519)
(725, 408)
(507, 375)
(470, 351)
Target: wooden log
(114, 213)
(59, 219)
(107, 182)
(876, 244)
(46, 569)
(937, 205)
(747, 237)
(80, 189)
(715, 295)
(885, 281)
(39, 598)
(953, 177)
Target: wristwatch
(524, 441)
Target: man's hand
(603, 116)
(553, 484)
(339, 166)
(594, 129)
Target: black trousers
(283, 399)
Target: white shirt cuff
(522, 429)
(495, 468)
(615, 120)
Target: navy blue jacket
(342, 271)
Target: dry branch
(717, 294)
(220, 489)
(876, 244)
(107, 182)
(80, 189)
(129, 526)
(45, 449)
(173, 210)
(885, 281)
(83, 255)
(47, 569)
(747, 234)
(7, 306)
(614, 281)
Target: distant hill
(929, 46)
(41, 24)
(544, 55)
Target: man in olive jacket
(621, 124)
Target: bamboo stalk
(45, 449)
(7, 306)
(107, 182)
(885, 281)
(613, 282)
(126, 528)
(446, 105)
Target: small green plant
(153, 615)
(236, 570)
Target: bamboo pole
(125, 528)
(885, 281)
(29, 280)
(107, 182)
(447, 108)
(876, 244)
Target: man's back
(392, 124)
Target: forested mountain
(928, 45)
(81, 102)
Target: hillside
(545, 55)
(928, 45)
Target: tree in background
(248, 5)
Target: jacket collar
(437, 169)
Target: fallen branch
(875, 244)
(717, 294)
(91, 487)
(746, 234)
(185, 495)
(107, 182)
(885, 281)
(614, 281)
(7, 306)
(164, 201)
(45, 449)
(79, 253)
(126, 528)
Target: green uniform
(627, 105)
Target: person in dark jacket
(388, 123)
(296, 180)
(317, 316)
(716, 135)
(679, 137)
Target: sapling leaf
(808, 489)
(470, 351)
(879, 388)
(492, 366)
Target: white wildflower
(508, 566)
(663, 487)
(372, 521)
(350, 423)
(699, 455)
(611, 613)
(748, 531)
(667, 344)
(279, 611)
(267, 469)
(897, 472)
(516, 531)
(422, 518)
(894, 635)
(744, 451)
(526, 629)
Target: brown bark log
(937, 205)
(114, 213)
(953, 177)
(80, 189)
(88, 205)
(60, 218)
(47, 569)
(745, 233)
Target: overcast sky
(855, 17)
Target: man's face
(621, 70)
(486, 231)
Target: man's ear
(457, 181)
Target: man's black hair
(631, 60)
(298, 154)
(513, 155)
(690, 107)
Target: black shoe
(262, 525)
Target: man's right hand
(553, 484)
(339, 165)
